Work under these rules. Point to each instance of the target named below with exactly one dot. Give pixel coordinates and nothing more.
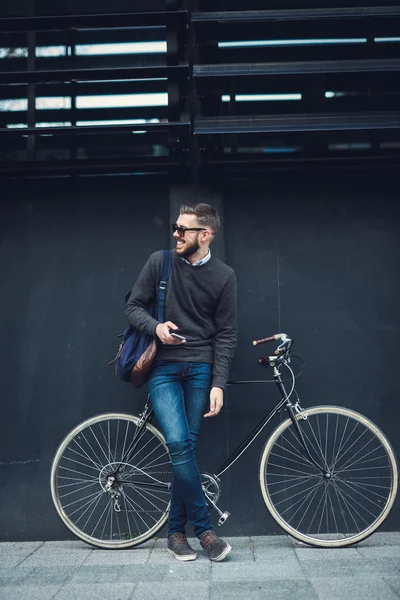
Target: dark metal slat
(87, 167)
(93, 21)
(289, 68)
(92, 129)
(296, 14)
(282, 123)
(141, 86)
(93, 74)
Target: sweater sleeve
(226, 334)
(143, 293)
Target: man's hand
(216, 401)
(162, 332)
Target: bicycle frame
(148, 414)
(285, 401)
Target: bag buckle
(163, 285)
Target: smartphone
(180, 337)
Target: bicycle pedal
(223, 518)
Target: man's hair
(206, 215)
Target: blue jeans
(179, 393)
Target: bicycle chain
(122, 510)
(140, 511)
(154, 473)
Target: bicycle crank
(212, 491)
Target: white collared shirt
(199, 262)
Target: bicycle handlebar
(271, 338)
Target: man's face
(188, 244)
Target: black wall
(315, 256)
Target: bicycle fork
(295, 411)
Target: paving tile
(118, 557)
(289, 589)
(382, 538)
(273, 553)
(14, 576)
(45, 556)
(14, 559)
(327, 554)
(319, 568)
(83, 591)
(13, 554)
(377, 567)
(95, 574)
(356, 588)
(393, 582)
(170, 589)
(29, 593)
(233, 571)
(280, 541)
(67, 544)
(384, 551)
(27, 547)
(6, 546)
(180, 571)
(41, 576)
(239, 590)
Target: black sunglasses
(182, 230)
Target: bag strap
(166, 265)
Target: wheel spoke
(318, 444)
(81, 488)
(333, 511)
(299, 458)
(306, 437)
(133, 504)
(291, 486)
(77, 462)
(140, 492)
(93, 504)
(367, 498)
(295, 496)
(288, 468)
(85, 455)
(74, 479)
(88, 504)
(309, 504)
(361, 460)
(366, 488)
(98, 459)
(303, 456)
(317, 508)
(349, 448)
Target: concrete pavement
(273, 567)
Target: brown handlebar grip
(271, 338)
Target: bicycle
(328, 475)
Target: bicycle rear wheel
(110, 481)
(348, 497)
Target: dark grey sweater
(201, 301)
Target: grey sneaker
(215, 548)
(179, 547)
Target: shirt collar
(199, 262)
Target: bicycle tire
(85, 460)
(363, 470)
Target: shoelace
(180, 539)
(208, 538)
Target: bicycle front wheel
(347, 496)
(110, 481)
